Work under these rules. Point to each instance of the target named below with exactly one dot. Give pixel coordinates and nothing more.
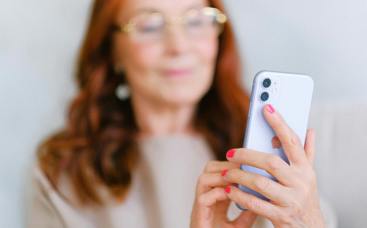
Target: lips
(177, 72)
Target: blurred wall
(324, 38)
(38, 44)
(39, 41)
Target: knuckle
(274, 163)
(202, 180)
(218, 192)
(293, 140)
(253, 204)
(209, 166)
(235, 174)
(261, 183)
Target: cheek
(140, 63)
(207, 55)
(139, 58)
(207, 51)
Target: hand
(211, 202)
(294, 200)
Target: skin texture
(294, 200)
(164, 102)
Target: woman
(131, 158)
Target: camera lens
(266, 82)
(264, 96)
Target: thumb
(246, 219)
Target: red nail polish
(224, 172)
(230, 153)
(228, 189)
(270, 108)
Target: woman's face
(174, 69)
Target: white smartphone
(291, 95)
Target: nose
(176, 41)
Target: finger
(245, 220)
(263, 185)
(221, 209)
(219, 166)
(310, 145)
(252, 203)
(208, 181)
(211, 197)
(271, 163)
(202, 212)
(291, 143)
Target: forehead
(168, 7)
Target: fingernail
(228, 189)
(224, 172)
(270, 108)
(230, 153)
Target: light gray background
(39, 39)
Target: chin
(181, 99)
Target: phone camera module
(264, 96)
(266, 82)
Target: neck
(156, 119)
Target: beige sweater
(161, 195)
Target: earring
(122, 92)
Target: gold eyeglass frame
(219, 16)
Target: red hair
(99, 144)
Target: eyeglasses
(151, 26)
